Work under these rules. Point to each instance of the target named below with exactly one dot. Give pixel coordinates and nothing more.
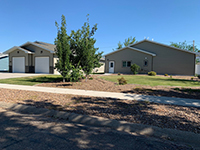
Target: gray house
(151, 56)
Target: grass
(32, 80)
(153, 80)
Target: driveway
(16, 75)
(22, 131)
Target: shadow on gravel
(22, 131)
(131, 111)
(175, 92)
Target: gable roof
(18, 48)
(132, 48)
(46, 46)
(161, 45)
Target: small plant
(119, 73)
(90, 78)
(166, 75)
(135, 68)
(122, 81)
(152, 73)
(192, 78)
(170, 76)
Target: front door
(111, 66)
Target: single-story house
(197, 70)
(3, 62)
(33, 57)
(151, 56)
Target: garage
(42, 65)
(18, 64)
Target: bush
(166, 75)
(90, 78)
(198, 76)
(170, 76)
(122, 81)
(76, 74)
(152, 73)
(119, 73)
(192, 78)
(135, 68)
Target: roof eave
(15, 48)
(27, 43)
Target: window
(126, 63)
(41, 52)
(111, 64)
(145, 63)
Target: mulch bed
(98, 84)
(161, 115)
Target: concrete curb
(181, 137)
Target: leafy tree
(62, 49)
(127, 42)
(185, 46)
(83, 51)
(135, 68)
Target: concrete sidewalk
(157, 99)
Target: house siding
(39, 52)
(18, 53)
(169, 60)
(128, 55)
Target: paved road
(5, 75)
(22, 131)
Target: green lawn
(32, 80)
(153, 80)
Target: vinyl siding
(169, 60)
(128, 55)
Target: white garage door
(18, 64)
(42, 65)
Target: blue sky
(163, 20)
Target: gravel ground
(161, 115)
(98, 84)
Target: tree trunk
(86, 78)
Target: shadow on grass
(174, 92)
(131, 111)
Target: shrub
(198, 76)
(122, 81)
(152, 73)
(192, 78)
(76, 74)
(90, 78)
(135, 68)
(166, 75)
(119, 73)
(170, 76)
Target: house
(197, 69)
(33, 57)
(3, 62)
(151, 56)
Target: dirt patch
(98, 84)
(161, 115)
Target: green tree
(185, 46)
(62, 49)
(83, 51)
(127, 42)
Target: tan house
(32, 57)
(151, 56)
